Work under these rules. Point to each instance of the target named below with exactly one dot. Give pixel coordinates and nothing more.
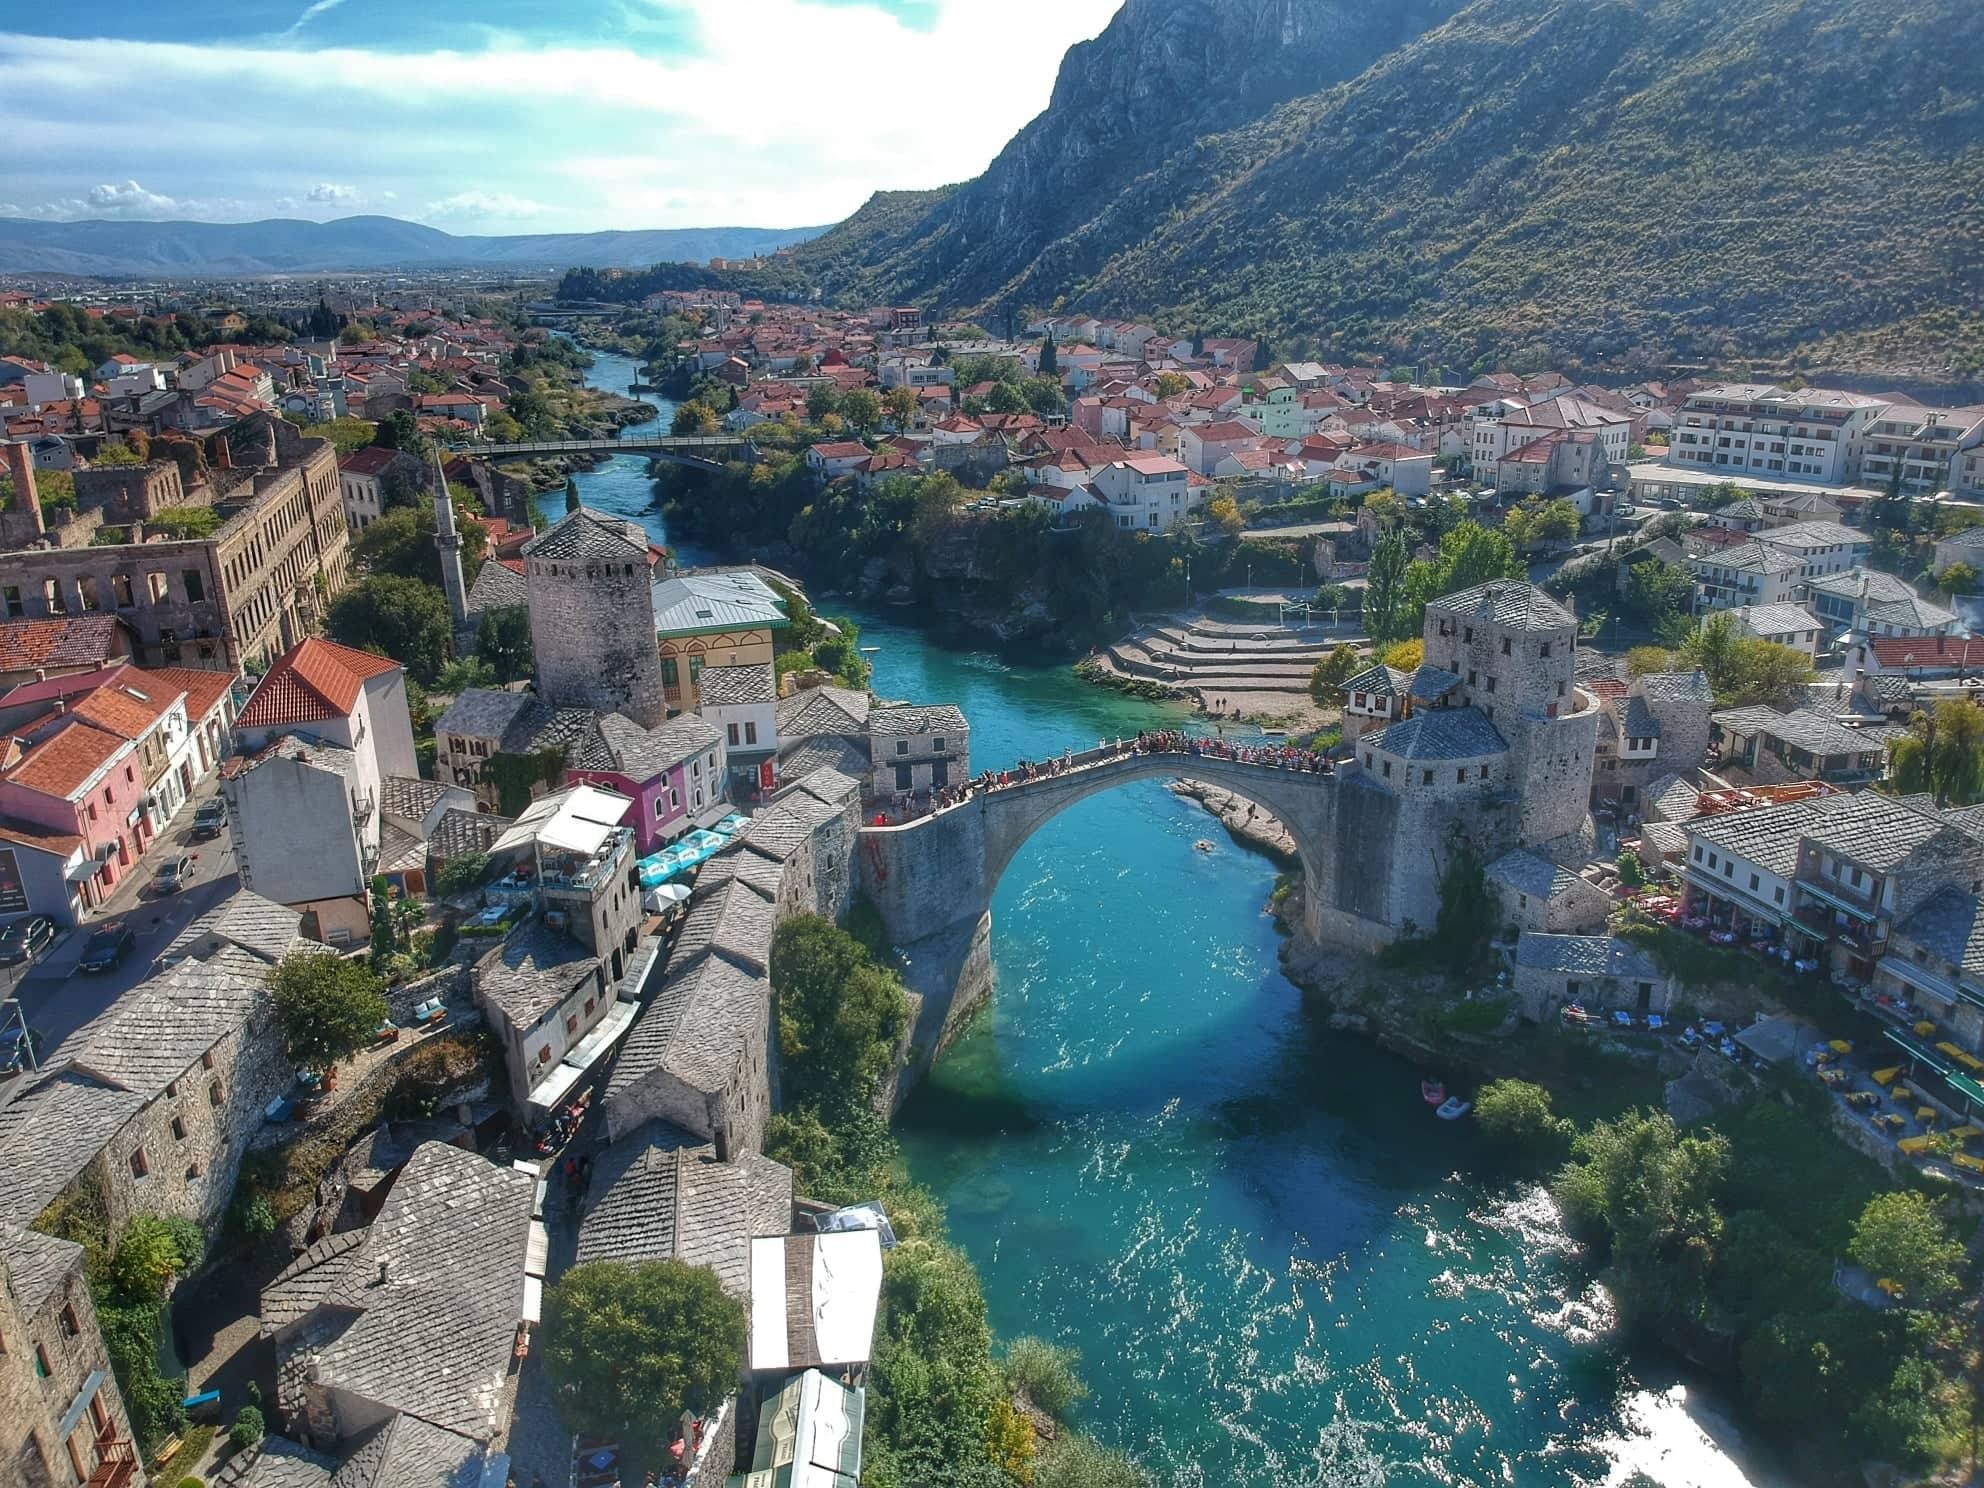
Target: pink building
(83, 780)
(675, 774)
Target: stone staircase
(1208, 657)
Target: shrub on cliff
(1517, 1114)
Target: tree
(151, 1251)
(329, 1008)
(1009, 1442)
(1046, 1372)
(346, 435)
(1743, 670)
(1518, 1114)
(1078, 1461)
(1643, 661)
(1005, 398)
(1958, 578)
(502, 638)
(840, 1016)
(1224, 512)
(694, 419)
(115, 452)
(629, 1348)
(1172, 384)
(1656, 591)
(861, 409)
(401, 431)
(401, 543)
(460, 875)
(1050, 359)
(1943, 752)
(385, 924)
(1404, 656)
(822, 398)
(1384, 590)
(900, 404)
(1466, 921)
(1647, 1193)
(401, 618)
(1331, 672)
(1902, 1237)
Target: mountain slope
(281, 245)
(1603, 182)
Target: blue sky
(515, 115)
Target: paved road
(57, 1000)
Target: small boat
(1274, 733)
(871, 650)
(1453, 1109)
(1203, 845)
(1432, 1092)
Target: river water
(1277, 1266)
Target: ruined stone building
(261, 582)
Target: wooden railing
(116, 1462)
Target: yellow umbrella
(1840, 1046)
(1927, 1115)
(1882, 1076)
(1924, 1028)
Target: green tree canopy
(1646, 1192)
(1901, 1236)
(1742, 669)
(1518, 1114)
(693, 418)
(502, 639)
(840, 1016)
(1386, 614)
(401, 618)
(628, 1348)
(329, 1008)
(1330, 673)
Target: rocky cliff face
(1163, 73)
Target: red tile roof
(68, 641)
(368, 461)
(1906, 653)
(62, 763)
(316, 680)
(202, 688)
(129, 706)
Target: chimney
(20, 466)
(382, 1274)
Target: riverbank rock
(1246, 823)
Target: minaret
(448, 542)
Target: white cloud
(330, 194)
(127, 199)
(788, 112)
(484, 206)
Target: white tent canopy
(576, 820)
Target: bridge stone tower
(591, 602)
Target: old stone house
(1600, 972)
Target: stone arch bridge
(933, 878)
(702, 451)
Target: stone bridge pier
(933, 879)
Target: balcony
(116, 1462)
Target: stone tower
(592, 617)
(448, 541)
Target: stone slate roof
(824, 752)
(409, 798)
(519, 722)
(823, 710)
(1380, 680)
(1509, 604)
(497, 588)
(588, 533)
(895, 719)
(1777, 619)
(34, 1264)
(1586, 955)
(276, 1462)
(1530, 874)
(533, 971)
(246, 920)
(460, 832)
(1753, 558)
(736, 686)
(1430, 683)
(159, 1029)
(1847, 586)
(661, 1193)
(1639, 721)
(1949, 924)
(1440, 734)
(1873, 830)
(1673, 798)
(1803, 729)
(1675, 687)
(617, 744)
(408, 1452)
(695, 1029)
(399, 852)
(431, 1337)
(50, 1132)
(1767, 836)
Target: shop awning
(537, 1249)
(1966, 1087)
(554, 1087)
(533, 1299)
(602, 1036)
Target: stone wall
(31, 1456)
(592, 632)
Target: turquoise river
(1277, 1267)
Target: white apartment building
(1496, 430)
(1760, 429)
(1928, 446)
(1150, 493)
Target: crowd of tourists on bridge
(906, 807)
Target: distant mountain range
(1606, 184)
(289, 246)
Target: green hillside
(1608, 184)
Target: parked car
(107, 949)
(25, 938)
(20, 1048)
(210, 820)
(173, 876)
